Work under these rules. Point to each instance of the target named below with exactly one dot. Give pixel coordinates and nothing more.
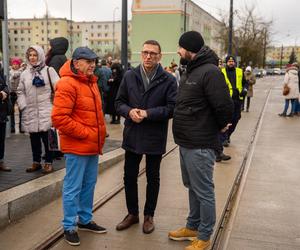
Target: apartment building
(274, 54)
(103, 37)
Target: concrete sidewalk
(267, 214)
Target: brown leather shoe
(4, 167)
(127, 222)
(35, 167)
(48, 168)
(148, 226)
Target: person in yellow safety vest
(237, 85)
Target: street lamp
(47, 35)
(114, 14)
(71, 27)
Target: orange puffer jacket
(77, 113)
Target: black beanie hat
(230, 57)
(191, 41)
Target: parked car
(257, 72)
(282, 72)
(277, 71)
(270, 72)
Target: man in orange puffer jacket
(77, 114)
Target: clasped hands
(138, 115)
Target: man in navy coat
(146, 100)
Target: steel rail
(58, 234)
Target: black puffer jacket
(203, 105)
(56, 55)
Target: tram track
(224, 227)
(58, 234)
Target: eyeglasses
(150, 53)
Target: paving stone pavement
(18, 157)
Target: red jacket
(77, 113)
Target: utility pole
(184, 17)
(230, 28)
(71, 27)
(124, 52)
(114, 30)
(281, 55)
(265, 48)
(5, 52)
(47, 25)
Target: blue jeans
(78, 189)
(286, 105)
(197, 167)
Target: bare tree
(251, 36)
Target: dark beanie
(230, 57)
(191, 41)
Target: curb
(17, 202)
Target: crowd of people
(204, 97)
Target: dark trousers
(2, 139)
(131, 170)
(235, 118)
(36, 140)
(248, 103)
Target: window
(55, 23)
(105, 34)
(15, 23)
(22, 31)
(22, 23)
(22, 38)
(92, 42)
(28, 31)
(16, 46)
(99, 26)
(92, 26)
(9, 47)
(15, 32)
(29, 39)
(92, 34)
(22, 47)
(28, 23)
(106, 26)
(16, 39)
(42, 38)
(56, 31)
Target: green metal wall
(166, 28)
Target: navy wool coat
(149, 136)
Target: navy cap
(84, 53)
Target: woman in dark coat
(5, 107)
(56, 55)
(114, 83)
(56, 58)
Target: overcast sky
(285, 14)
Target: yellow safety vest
(239, 78)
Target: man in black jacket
(146, 98)
(203, 109)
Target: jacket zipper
(96, 117)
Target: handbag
(51, 85)
(286, 90)
(53, 139)
(53, 135)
